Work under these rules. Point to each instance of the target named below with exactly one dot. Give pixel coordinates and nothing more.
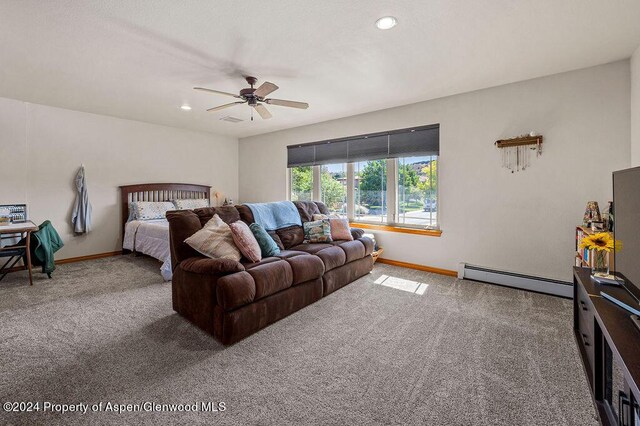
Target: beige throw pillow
(215, 240)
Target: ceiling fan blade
(291, 104)
(218, 92)
(264, 89)
(218, 108)
(263, 111)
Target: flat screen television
(626, 226)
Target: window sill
(400, 229)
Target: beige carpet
(396, 347)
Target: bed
(151, 236)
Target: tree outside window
(301, 183)
(333, 187)
(417, 190)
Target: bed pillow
(318, 231)
(245, 241)
(215, 240)
(132, 212)
(340, 229)
(191, 204)
(146, 210)
(268, 246)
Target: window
(387, 178)
(418, 191)
(333, 188)
(301, 183)
(370, 185)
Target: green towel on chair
(44, 243)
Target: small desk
(21, 228)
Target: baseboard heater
(512, 279)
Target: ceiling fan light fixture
(185, 107)
(386, 22)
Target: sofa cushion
(228, 214)
(182, 225)
(353, 250)
(235, 290)
(305, 267)
(276, 239)
(311, 248)
(285, 254)
(271, 278)
(207, 266)
(249, 265)
(332, 257)
(246, 241)
(291, 236)
(307, 209)
(322, 208)
(245, 213)
(205, 214)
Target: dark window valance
(424, 140)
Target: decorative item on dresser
(592, 217)
(585, 255)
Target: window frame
(391, 223)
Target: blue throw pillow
(268, 247)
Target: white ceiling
(140, 59)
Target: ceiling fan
(255, 98)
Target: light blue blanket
(276, 215)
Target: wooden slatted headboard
(159, 192)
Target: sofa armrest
(205, 265)
(368, 245)
(357, 233)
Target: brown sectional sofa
(232, 300)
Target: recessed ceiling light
(386, 22)
(185, 107)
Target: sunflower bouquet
(600, 245)
(601, 241)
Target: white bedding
(150, 237)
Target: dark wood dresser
(609, 345)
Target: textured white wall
(41, 149)
(635, 108)
(522, 222)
